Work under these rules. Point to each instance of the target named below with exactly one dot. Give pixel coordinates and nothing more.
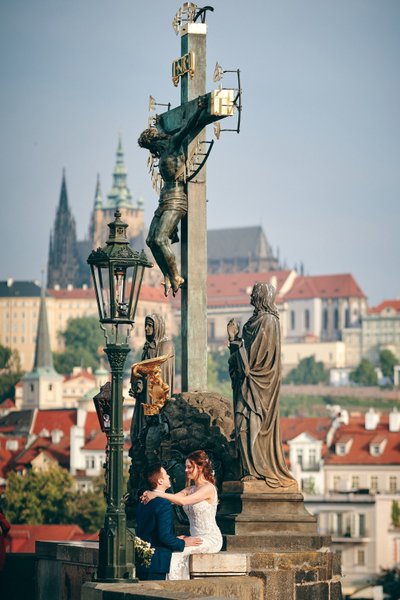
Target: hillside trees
(83, 339)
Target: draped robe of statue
(158, 346)
(255, 370)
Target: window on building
(90, 462)
(307, 319)
(339, 521)
(355, 482)
(374, 484)
(393, 484)
(50, 387)
(299, 454)
(361, 525)
(32, 387)
(336, 318)
(360, 558)
(292, 319)
(312, 457)
(211, 330)
(12, 445)
(336, 483)
(347, 318)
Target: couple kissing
(155, 519)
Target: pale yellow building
(19, 311)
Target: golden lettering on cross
(181, 66)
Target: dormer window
(343, 446)
(377, 446)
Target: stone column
(194, 234)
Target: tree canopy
(82, 338)
(308, 371)
(49, 497)
(364, 374)
(387, 362)
(10, 372)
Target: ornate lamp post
(117, 273)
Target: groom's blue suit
(155, 525)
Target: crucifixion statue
(178, 152)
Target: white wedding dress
(202, 524)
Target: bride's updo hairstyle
(200, 458)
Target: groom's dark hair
(152, 475)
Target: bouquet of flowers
(143, 551)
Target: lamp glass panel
(136, 284)
(119, 281)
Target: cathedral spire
(120, 195)
(98, 199)
(43, 355)
(63, 203)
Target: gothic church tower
(63, 261)
(119, 197)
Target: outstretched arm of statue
(192, 122)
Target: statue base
(254, 516)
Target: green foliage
(5, 355)
(10, 372)
(49, 497)
(89, 507)
(387, 362)
(364, 374)
(40, 497)
(390, 581)
(308, 371)
(395, 513)
(83, 339)
(216, 380)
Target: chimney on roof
(394, 420)
(10, 282)
(371, 419)
(56, 436)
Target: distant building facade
(19, 314)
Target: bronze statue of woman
(255, 370)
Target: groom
(155, 525)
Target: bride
(199, 501)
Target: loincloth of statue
(173, 197)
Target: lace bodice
(202, 516)
(202, 524)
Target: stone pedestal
(250, 508)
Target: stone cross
(177, 141)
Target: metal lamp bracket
(237, 101)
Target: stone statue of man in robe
(255, 370)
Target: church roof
(237, 242)
(17, 422)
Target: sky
(317, 161)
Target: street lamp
(117, 273)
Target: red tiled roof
(386, 304)
(59, 418)
(359, 453)
(233, 289)
(59, 452)
(8, 403)
(83, 373)
(98, 442)
(317, 427)
(147, 294)
(6, 455)
(324, 286)
(24, 537)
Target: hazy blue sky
(316, 162)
